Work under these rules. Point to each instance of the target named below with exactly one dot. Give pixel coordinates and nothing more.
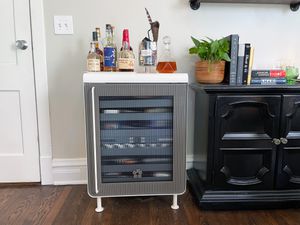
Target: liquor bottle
(109, 51)
(126, 57)
(97, 46)
(93, 59)
(167, 64)
(98, 33)
(113, 28)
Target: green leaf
(204, 41)
(226, 57)
(193, 50)
(214, 46)
(211, 40)
(196, 42)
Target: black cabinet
(251, 154)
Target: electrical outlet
(63, 25)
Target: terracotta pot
(210, 73)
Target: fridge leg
(99, 205)
(175, 205)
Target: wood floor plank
(17, 206)
(33, 209)
(129, 210)
(161, 212)
(191, 211)
(8, 199)
(286, 217)
(5, 195)
(92, 218)
(72, 210)
(47, 205)
(71, 205)
(57, 206)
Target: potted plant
(213, 54)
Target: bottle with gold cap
(96, 40)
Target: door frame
(41, 89)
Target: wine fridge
(135, 134)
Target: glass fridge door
(136, 138)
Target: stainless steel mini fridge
(135, 134)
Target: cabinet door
(289, 151)
(244, 150)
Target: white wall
(273, 30)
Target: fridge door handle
(94, 140)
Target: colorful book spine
(268, 81)
(268, 73)
(250, 65)
(246, 62)
(231, 67)
(240, 65)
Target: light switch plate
(63, 25)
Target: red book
(268, 74)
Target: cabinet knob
(284, 141)
(21, 44)
(276, 141)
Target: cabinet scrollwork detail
(293, 179)
(244, 181)
(233, 105)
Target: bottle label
(146, 52)
(126, 64)
(153, 46)
(93, 65)
(109, 57)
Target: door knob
(276, 141)
(284, 141)
(21, 44)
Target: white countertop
(128, 77)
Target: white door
(19, 154)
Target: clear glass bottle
(166, 64)
(109, 51)
(126, 56)
(93, 59)
(97, 46)
(148, 55)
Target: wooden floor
(64, 205)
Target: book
(240, 65)
(246, 62)
(268, 73)
(250, 65)
(268, 81)
(231, 67)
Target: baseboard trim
(189, 161)
(69, 171)
(74, 171)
